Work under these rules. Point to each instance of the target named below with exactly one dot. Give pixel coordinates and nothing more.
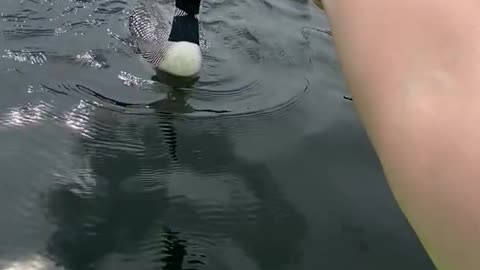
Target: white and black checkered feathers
(150, 25)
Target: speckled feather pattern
(150, 25)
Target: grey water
(260, 164)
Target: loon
(167, 35)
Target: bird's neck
(190, 7)
(185, 28)
(185, 23)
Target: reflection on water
(34, 262)
(174, 199)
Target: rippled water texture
(260, 164)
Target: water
(261, 164)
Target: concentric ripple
(247, 68)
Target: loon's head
(183, 56)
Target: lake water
(260, 164)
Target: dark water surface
(261, 164)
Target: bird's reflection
(166, 194)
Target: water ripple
(31, 57)
(25, 115)
(132, 80)
(91, 59)
(23, 33)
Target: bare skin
(413, 68)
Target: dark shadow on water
(122, 204)
(173, 81)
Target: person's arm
(413, 68)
